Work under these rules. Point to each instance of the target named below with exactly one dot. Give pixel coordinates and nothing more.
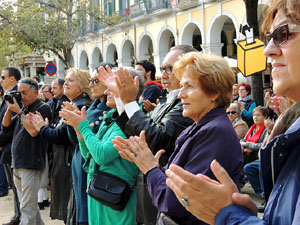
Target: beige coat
(240, 128)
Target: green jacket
(99, 149)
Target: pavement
(7, 207)
(7, 211)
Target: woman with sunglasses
(280, 158)
(234, 114)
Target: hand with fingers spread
(201, 191)
(127, 86)
(107, 77)
(136, 150)
(38, 121)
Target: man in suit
(163, 125)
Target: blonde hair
(213, 72)
(82, 77)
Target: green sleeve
(102, 150)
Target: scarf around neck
(245, 100)
(256, 135)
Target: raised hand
(127, 86)
(107, 77)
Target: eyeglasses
(3, 77)
(280, 35)
(94, 81)
(231, 112)
(167, 68)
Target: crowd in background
(154, 137)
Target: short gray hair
(236, 106)
(33, 85)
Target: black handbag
(110, 190)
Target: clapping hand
(37, 120)
(135, 149)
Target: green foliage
(49, 25)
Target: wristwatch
(20, 114)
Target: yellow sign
(250, 57)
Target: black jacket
(5, 138)
(28, 152)
(163, 125)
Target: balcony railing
(154, 5)
(138, 9)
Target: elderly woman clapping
(280, 159)
(206, 85)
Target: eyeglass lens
(279, 35)
(231, 112)
(167, 68)
(94, 81)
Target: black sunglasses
(167, 68)
(94, 81)
(3, 77)
(231, 112)
(280, 35)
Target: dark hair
(37, 78)
(12, 71)
(247, 87)
(148, 66)
(47, 85)
(60, 81)
(184, 48)
(1, 90)
(31, 82)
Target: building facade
(151, 27)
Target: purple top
(212, 138)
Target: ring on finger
(185, 201)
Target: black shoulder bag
(110, 190)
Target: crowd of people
(118, 147)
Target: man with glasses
(28, 149)
(9, 80)
(163, 125)
(46, 90)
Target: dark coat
(60, 173)
(5, 138)
(78, 174)
(280, 166)
(163, 125)
(213, 137)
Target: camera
(11, 95)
